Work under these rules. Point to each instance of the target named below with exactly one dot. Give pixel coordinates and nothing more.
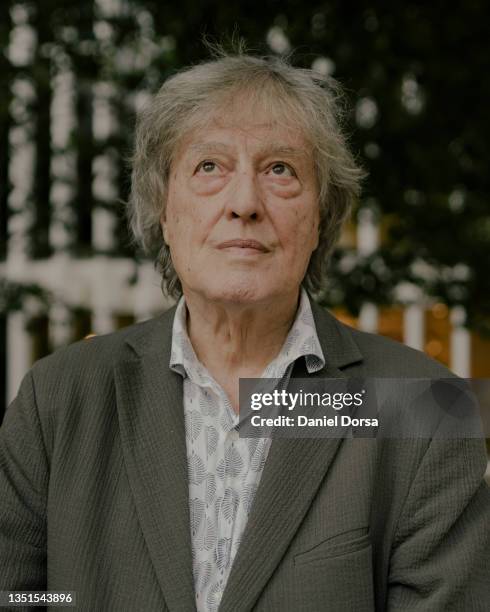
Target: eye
(280, 169)
(206, 166)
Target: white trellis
(100, 284)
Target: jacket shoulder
(85, 369)
(385, 357)
(96, 351)
(375, 355)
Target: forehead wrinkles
(237, 108)
(262, 139)
(263, 149)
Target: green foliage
(14, 295)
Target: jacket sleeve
(23, 493)
(441, 555)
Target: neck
(235, 340)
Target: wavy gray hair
(192, 96)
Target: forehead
(255, 137)
(258, 124)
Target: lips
(243, 244)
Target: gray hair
(308, 98)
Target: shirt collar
(301, 341)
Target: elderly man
(123, 476)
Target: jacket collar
(150, 408)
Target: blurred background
(413, 264)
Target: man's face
(242, 216)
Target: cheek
(178, 217)
(304, 230)
(173, 230)
(172, 212)
(187, 228)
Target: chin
(238, 292)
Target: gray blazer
(94, 493)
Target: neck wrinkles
(236, 338)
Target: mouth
(246, 245)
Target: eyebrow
(268, 149)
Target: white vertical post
(63, 160)
(101, 295)
(22, 45)
(63, 163)
(367, 243)
(59, 325)
(460, 343)
(19, 352)
(368, 317)
(102, 320)
(414, 326)
(103, 221)
(104, 168)
(143, 301)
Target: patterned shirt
(225, 469)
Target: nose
(245, 201)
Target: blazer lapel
(292, 474)
(151, 417)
